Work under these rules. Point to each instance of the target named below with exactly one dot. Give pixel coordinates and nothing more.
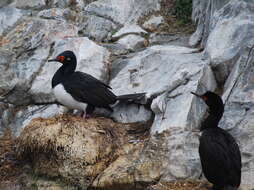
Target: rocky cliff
(134, 46)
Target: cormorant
(78, 90)
(219, 153)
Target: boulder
(53, 13)
(129, 29)
(153, 23)
(223, 29)
(98, 28)
(8, 17)
(30, 4)
(122, 13)
(132, 42)
(23, 116)
(232, 26)
(239, 111)
(105, 17)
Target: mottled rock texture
(120, 43)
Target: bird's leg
(85, 115)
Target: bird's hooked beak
(51, 60)
(196, 94)
(57, 59)
(200, 96)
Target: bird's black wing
(85, 88)
(220, 157)
(236, 161)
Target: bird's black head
(213, 101)
(66, 57)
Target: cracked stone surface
(110, 44)
(239, 110)
(8, 17)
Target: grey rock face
(165, 71)
(8, 17)
(122, 12)
(105, 17)
(24, 116)
(129, 29)
(202, 14)
(153, 23)
(132, 41)
(54, 13)
(239, 110)
(8, 76)
(156, 72)
(4, 3)
(30, 4)
(98, 28)
(232, 30)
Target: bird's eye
(68, 59)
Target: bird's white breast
(66, 99)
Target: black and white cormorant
(219, 153)
(78, 90)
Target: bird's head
(65, 57)
(212, 100)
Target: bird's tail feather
(131, 98)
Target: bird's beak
(196, 94)
(200, 96)
(51, 60)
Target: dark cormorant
(78, 90)
(219, 153)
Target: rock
(92, 59)
(54, 13)
(3, 126)
(148, 65)
(30, 4)
(122, 13)
(132, 41)
(23, 116)
(202, 14)
(8, 17)
(46, 184)
(131, 113)
(231, 31)
(98, 28)
(32, 33)
(129, 29)
(169, 39)
(181, 185)
(143, 73)
(8, 78)
(239, 111)
(4, 3)
(116, 49)
(29, 43)
(153, 23)
(105, 17)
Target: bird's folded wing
(85, 88)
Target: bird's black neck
(62, 73)
(213, 118)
